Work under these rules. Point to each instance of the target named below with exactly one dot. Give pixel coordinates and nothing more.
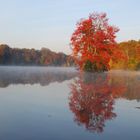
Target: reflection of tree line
(42, 76)
(131, 80)
(93, 95)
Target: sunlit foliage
(93, 43)
(132, 51)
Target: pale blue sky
(50, 23)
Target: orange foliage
(138, 52)
(94, 41)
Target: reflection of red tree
(92, 100)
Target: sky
(50, 23)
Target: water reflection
(92, 98)
(34, 75)
(131, 80)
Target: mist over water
(34, 75)
(35, 102)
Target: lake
(52, 103)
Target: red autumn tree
(93, 43)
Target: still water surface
(46, 103)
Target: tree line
(43, 57)
(46, 57)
